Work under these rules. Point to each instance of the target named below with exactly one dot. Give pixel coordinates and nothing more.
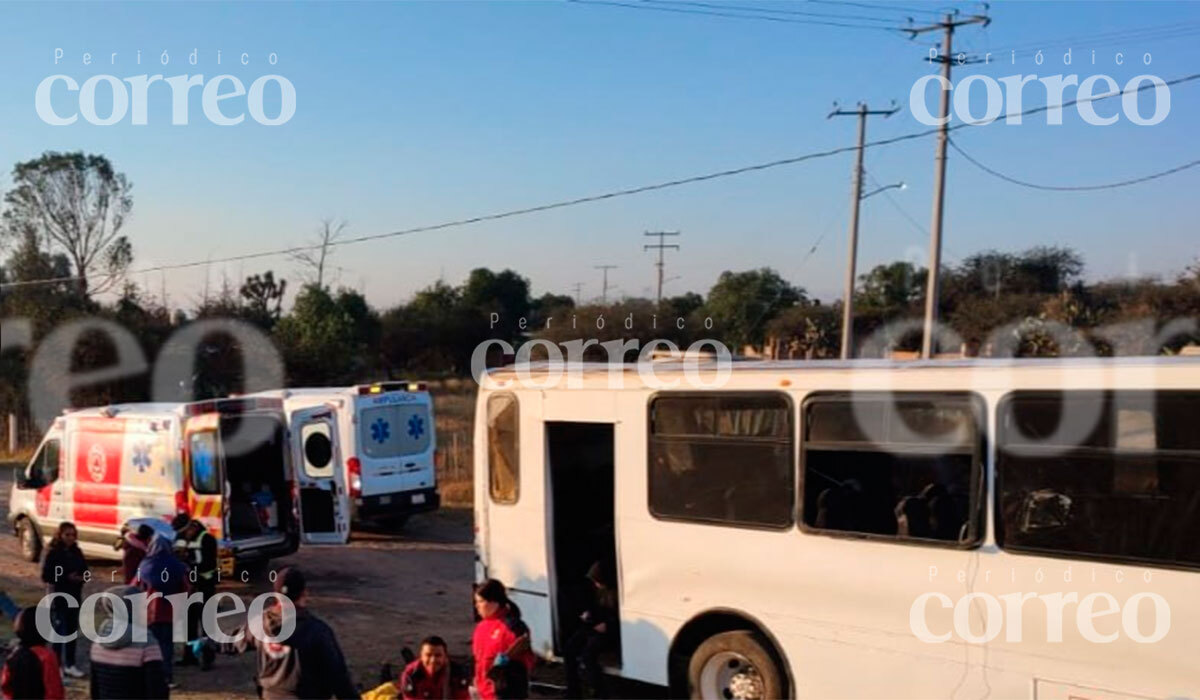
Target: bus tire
(735, 665)
(31, 540)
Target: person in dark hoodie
(162, 572)
(124, 667)
(308, 663)
(64, 571)
(31, 669)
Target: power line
(773, 11)
(1121, 34)
(714, 13)
(1070, 188)
(614, 194)
(879, 6)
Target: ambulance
(389, 445)
(261, 481)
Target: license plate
(418, 498)
(384, 500)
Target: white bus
(954, 529)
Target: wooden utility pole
(660, 247)
(948, 24)
(604, 284)
(855, 202)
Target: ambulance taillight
(355, 468)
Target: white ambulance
(231, 463)
(388, 441)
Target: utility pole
(947, 26)
(578, 287)
(604, 285)
(660, 247)
(855, 202)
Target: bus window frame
(517, 438)
(793, 438)
(980, 477)
(1107, 395)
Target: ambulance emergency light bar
(232, 406)
(384, 387)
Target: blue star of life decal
(141, 457)
(416, 426)
(380, 431)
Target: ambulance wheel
(31, 541)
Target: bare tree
(315, 258)
(77, 204)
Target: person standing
(162, 572)
(201, 549)
(122, 667)
(64, 570)
(31, 669)
(503, 655)
(431, 676)
(309, 663)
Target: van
(389, 444)
(260, 481)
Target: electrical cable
(1070, 188)
(615, 194)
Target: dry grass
(454, 408)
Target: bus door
(513, 526)
(583, 554)
(324, 505)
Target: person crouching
(431, 676)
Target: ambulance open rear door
(316, 457)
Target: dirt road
(380, 593)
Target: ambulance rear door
(316, 458)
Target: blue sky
(415, 113)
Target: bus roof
(709, 364)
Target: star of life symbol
(416, 427)
(380, 431)
(141, 457)
(97, 463)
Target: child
(31, 669)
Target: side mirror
(19, 478)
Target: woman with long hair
(63, 572)
(503, 655)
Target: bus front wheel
(735, 666)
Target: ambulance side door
(316, 459)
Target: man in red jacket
(431, 676)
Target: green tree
(317, 340)
(262, 296)
(743, 303)
(895, 286)
(77, 204)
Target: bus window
(903, 466)
(504, 464)
(1128, 491)
(722, 458)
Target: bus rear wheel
(735, 666)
